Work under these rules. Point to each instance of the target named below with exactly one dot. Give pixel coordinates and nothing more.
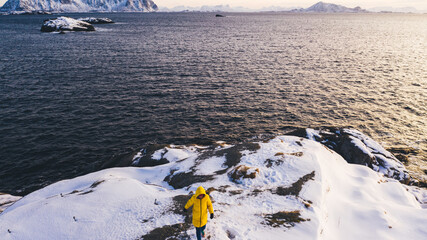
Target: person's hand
(212, 215)
(185, 210)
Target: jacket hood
(200, 190)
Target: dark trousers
(199, 232)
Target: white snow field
(300, 190)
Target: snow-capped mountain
(80, 5)
(331, 8)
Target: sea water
(70, 103)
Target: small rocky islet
(62, 24)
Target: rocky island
(65, 24)
(93, 20)
(62, 24)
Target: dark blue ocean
(75, 103)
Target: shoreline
(320, 134)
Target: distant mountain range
(401, 9)
(318, 7)
(79, 6)
(330, 8)
(222, 8)
(150, 6)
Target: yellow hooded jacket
(200, 213)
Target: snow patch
(211, 165)
(7, 200)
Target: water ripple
(69, 103)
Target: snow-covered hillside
(286, 187)
(79, 5)
(330, 8)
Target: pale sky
(256, 4)
(419, 4)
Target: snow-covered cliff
(80, 5)
(286, 187)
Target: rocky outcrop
(80, 6)
(61, 24)
(7, 200)
(93, 20)
(243, 171)
(314, 190)
(355, 147)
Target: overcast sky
(419, 4)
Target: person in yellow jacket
(200, 202)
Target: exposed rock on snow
(242, 171)
(79, 5)
(93, 20)
(65, 24)
(295, 187)
(312, 195)
(7, 200)
(358, 148)
(285, 219)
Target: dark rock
(296, 187)
(298, 132)
(353, 153)
(177, 231)
(421, 184)
(219, 15)
(243, 171)
(145, 159)
(269, 162)
(357, 148)
(233, 154)
(181, 180)
(284, 218)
